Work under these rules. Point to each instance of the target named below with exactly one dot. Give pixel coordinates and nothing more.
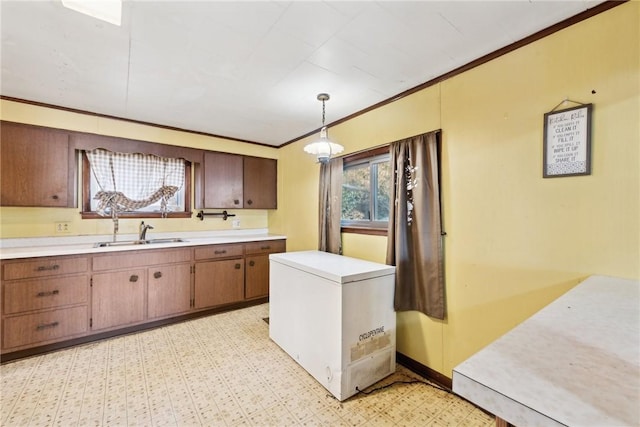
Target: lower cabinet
(257, 266)
(44, 300)
(169, 290)
(117, 299)
(219, 282)
(52, 299)
(257, 276)
(133, 287)
(44, 327)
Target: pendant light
(323, 148)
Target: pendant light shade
(323, 148)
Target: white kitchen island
(334, 316)
(574, 363)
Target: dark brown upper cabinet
(38, 167)
(260, 183)
(232, 181)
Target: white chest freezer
(334, 316)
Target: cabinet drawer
(141, 259)
(43, 267)
(219, 251)
(38, 294)
(265, 247)
(42, 327)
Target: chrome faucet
(143, 231)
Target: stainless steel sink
(168, 240)
(138, 242)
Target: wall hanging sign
(567, 142)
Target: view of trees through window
(365, 192)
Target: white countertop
(336, 268)
(56, 246)
(576, 362)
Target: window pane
(356, 197)
(383, 185)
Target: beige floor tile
(221, 370)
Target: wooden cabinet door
(257, 276)
(169, 290)
(37, 168)
(222, 180)
(117, 299)
(257, 266)
(219, 282)
(260, 183)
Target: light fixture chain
(323, 148)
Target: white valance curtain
(131, 181)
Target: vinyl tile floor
(220, 370)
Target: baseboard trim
(424, 371)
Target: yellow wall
(39, 222)
(515, 241)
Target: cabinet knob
(55, 197)
(249, 202)
(133, 278)
(236, 202)
(252, 263)
(238, 266)
(157, 274)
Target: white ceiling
(251, 70)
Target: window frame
(87, 213)
(370, 227)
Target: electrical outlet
(235, 223)
(63, 227)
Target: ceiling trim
(602, 7)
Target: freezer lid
(336, 268)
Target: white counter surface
(56, 246)
(575, 363)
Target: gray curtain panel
(329, 237)
(415, 233)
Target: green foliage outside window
(365, 192)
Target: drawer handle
(238, 266)
(47, 326)
(220, 252)
(133, 278)
(264, 248)
(252, 263)
(48, 267)
(157, 274)
(48, 293)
